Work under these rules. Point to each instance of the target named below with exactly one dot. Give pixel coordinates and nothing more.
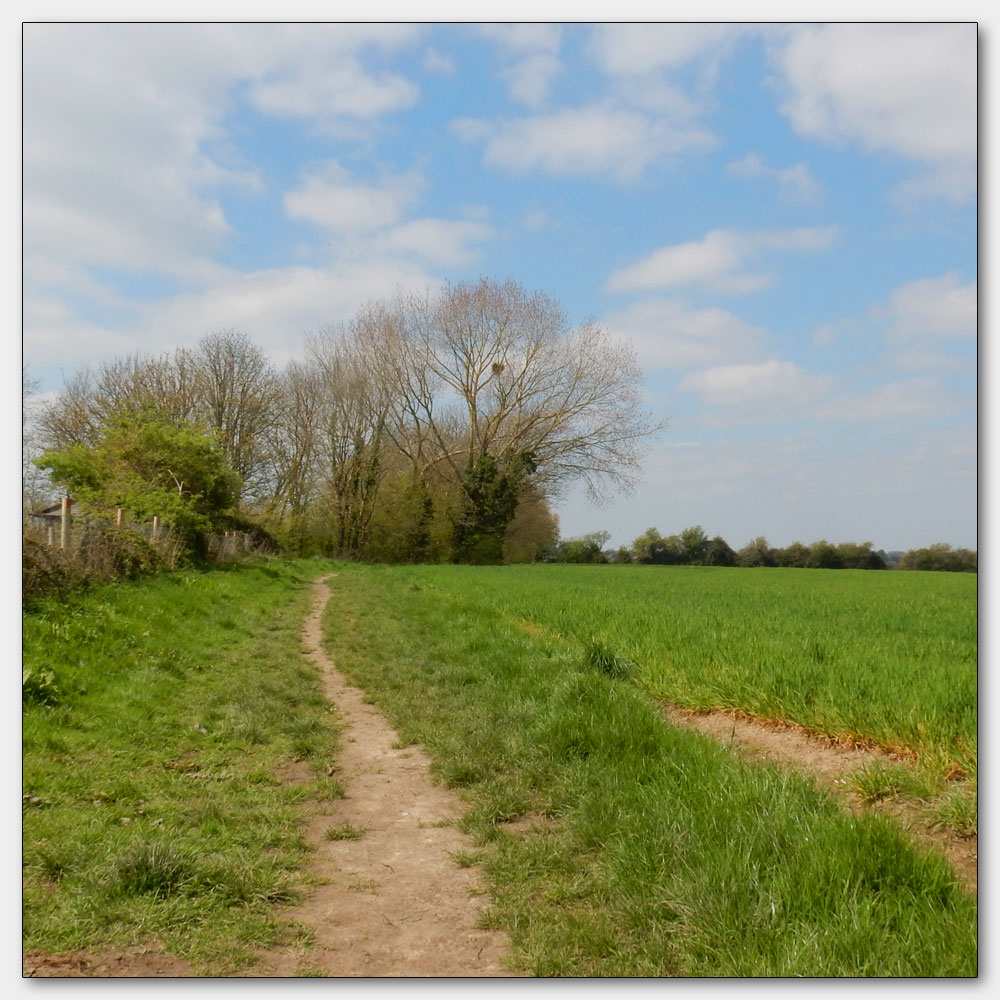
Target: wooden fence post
(120, 517)
(64, 519)
(156, 527)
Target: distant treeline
(692, 547)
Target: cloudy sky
(781, 218)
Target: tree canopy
(149, 465)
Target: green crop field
(881, 658)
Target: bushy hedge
(107, 552)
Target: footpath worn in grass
(615, 844)
(158, 715)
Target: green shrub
(46, 571)
(106, 552)
(113, 552)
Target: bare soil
(830, 764)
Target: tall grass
(158, 715)
(615, 844)
(883, 658)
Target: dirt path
(829, 764)
(393, 902)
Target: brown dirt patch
(391, 902)
(136, 962)
(829, 764)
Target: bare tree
(237, 390)
(491, 382)
(290, 448)
(351, 432)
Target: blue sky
(781, 217)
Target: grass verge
(157, 718)
(617, 845)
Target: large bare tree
(491, 382)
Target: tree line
(434, 427)
(693, 547)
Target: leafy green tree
(694, 544)
(718, 553)
(859, 556)
(491, 492)
(940, 557)
(648, 547)
(756, 553)
(149, 465)
(824, 555)
(796, 555)
(586, 549)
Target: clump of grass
(600, 655)
(307, 970)
(956, 810)
(154, 868)
(346, 831)
(882, 780)
(329, 788)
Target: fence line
(70, 532)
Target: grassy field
(650, 851)
(882, 658)
(160, 715)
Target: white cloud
(55, 335)
(443, 242)
(372, 217)
(771, 385)
(535, 219)
(924, 396)
(666, 333)
(640, 49)
(532, 52)
(594, 140)
(317, 71)
(276, 307)
(436, 62)
(328, 198)
(718, 260)
(932, 307)
(123, 136)
(795, 183)
(670, 68)
(906, 89)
